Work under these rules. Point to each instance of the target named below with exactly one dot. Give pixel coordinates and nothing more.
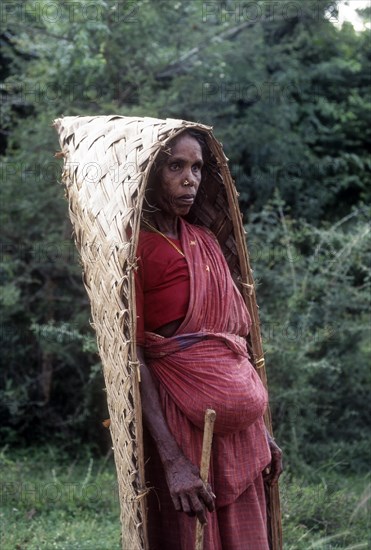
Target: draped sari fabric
(206, 365)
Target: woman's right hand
(188, 492)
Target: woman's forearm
(153, 415)
(187, 490)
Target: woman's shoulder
(203, 231)
(148, 238)
(146, 243)
(157, 248)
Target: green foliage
(314, 294)
(288, 94)
(51, 501)
(331, 512)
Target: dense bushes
(313, 285)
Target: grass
(50, 501)
(329, 513)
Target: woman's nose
(190, 178)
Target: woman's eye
(174, 166)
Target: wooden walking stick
(210, 416)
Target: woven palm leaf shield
(107, 160)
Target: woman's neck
(168, 225)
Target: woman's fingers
(208, 497)
(275, 468)
(188, 492)
(198, 508)
(185, 504)
(176, 502)
(194, 502)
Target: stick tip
(210, 414)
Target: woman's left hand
(275, 468)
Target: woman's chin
(182, 211)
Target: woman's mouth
(187, 199)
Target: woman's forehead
(185, 145)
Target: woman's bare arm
(188, 492)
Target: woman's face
(172, 192)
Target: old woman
(192, 325)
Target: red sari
(206, 365)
